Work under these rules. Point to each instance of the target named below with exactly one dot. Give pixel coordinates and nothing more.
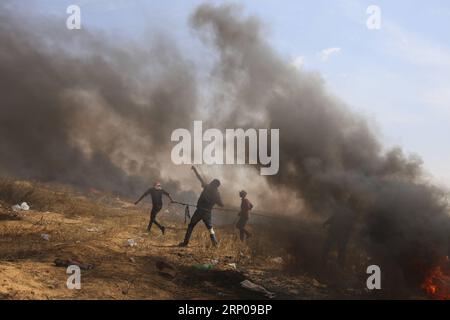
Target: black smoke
(326, 150)
(79, 109)
(86, 109)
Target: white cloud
(325, 54)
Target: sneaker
(214, 241)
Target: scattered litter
(132, 259)
(214, 261)
(206, 266)
(94, 229)
(71, 262)
(278, 260)
(257, 288)
(45, 236)
(22, 207)
(233, 265)
(131, 243)
(318, 284)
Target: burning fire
(437, 283)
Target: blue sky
(398, 76)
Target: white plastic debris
(22, 207)
(257, 288)
(131, 243)
(94, 229)
(45, 236)
(233, 266)
(318, 284)
(214, 261)
(278, 260)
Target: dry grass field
(94, 228)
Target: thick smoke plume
(327, 153)
(78, 109)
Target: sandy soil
(95, 228)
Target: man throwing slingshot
(156, 192)
(209, 197)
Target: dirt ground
(94, 229)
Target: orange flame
(437, 283)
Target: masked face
(158, 186)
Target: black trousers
(242, 222)
(199, 215)
(155, 210)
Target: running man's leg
(241, 226)
(247, 233)
(161, 227)
(154, 212)
(242, 234)
(194, 220)
(207, 220)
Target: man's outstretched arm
(168, 195)
(143, 196)
(198, 176)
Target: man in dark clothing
(246, 206)
(156, 192)
(209, 197)
(339, 228)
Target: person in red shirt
(246, 206)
